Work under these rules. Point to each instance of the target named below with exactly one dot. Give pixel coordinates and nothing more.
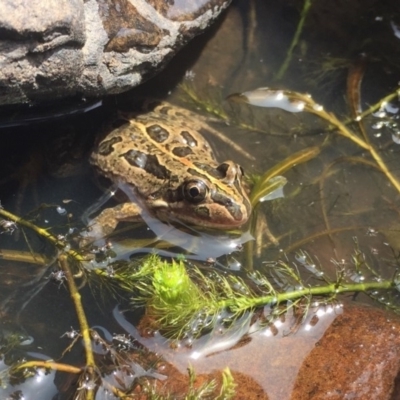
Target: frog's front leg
(106, 222)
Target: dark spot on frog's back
(147, 162)
(189, 139)
(106, 146)
(157, 133)
(182, 151)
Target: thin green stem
(297, 158)
(347, 133)
(76, 297)
(295, 40)
(333, 288)
(83, 324)
(42, 232)
(322, 186)
(342, 130)
(24, 256)
(378, 105)
(321, 234)
(55, 366)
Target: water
(339, 209)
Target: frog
(162, 157)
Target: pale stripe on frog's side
(162, 156)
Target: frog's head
(214, 198)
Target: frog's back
(152, 147)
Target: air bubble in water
(61, 210)
(378, 125)
(390, 108)
(379, 114)
(396, 137)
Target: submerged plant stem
(320, 234)
(378, 105)
(261, 187)
(42, 232)
(355, 160)
(76, 298)
(24, 256)
(210, 105)
(295, 40)
(316, 109)
(83, 324)
(354, 79)
(329, 289)
(55, 366)
(353, 137)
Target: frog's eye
(195, 191)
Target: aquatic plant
(285, 65)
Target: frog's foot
(106, 222)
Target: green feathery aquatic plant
(184, 301)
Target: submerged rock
(346, 353)
(358, 357)
(60, 48)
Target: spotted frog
(162, 158)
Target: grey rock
(58, 48)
